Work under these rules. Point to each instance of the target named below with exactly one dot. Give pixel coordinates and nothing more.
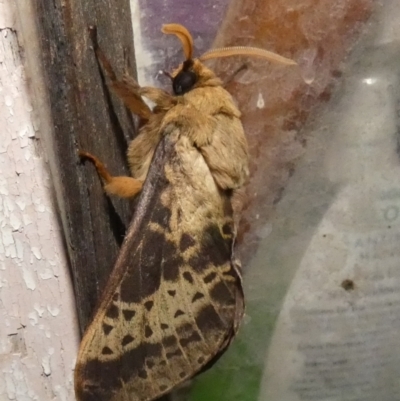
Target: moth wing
(174, 299)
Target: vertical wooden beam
(85, 116)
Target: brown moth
(174, 300)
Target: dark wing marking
(174, 313)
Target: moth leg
(124, 187)
(125, 89)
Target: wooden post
(86, 116)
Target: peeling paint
(20, 249)
(26, 218)
(46, 274)
(53, 310)
(46, 365)
(7, 237)
(39, 309)
(36, 252)
(38, 330)
(28, 278)
(20, 203)
(15, 222)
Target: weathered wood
(87, 117)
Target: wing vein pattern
(171, 304)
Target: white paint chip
(36, 252)
(23, 142)
(11, 251)
(26, 131)
(6, 234)
(39, 309)
(26, 218)
(46, 365)
(260, 101)
(46, 274)
(15, 222)
(20, 249)
(53, 310)
(29, 280)
(20, 203)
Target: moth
(174, 300)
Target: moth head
(192, 73)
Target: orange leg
(124, 187)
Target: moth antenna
(246, 51)
(183, 35)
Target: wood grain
(87, 117)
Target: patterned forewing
(174, 299)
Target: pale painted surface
(38, 327)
